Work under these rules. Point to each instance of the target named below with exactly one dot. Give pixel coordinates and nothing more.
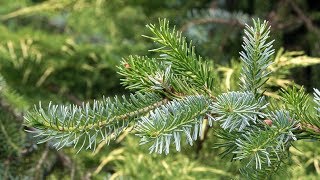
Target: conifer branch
(298, 103)
(139, 72)
(263, 150)
(169, 122)
(178, 91)
(91, 124)
(237, 110)
(175, 49)
(149, 74)
(256, 56)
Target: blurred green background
(66, 51)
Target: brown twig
(87, 176)
(7, 108)
(64, 159)
(46, 6)
(307, 21)
(210, 20)
(70, 97)
(309, 126)
(73, 170)
(274, 24)
(202, 138)
(40, 162)
(301, 126)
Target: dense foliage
(68, 52)
(185, 99)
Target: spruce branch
(261, 150)
(167, 123)
(140, 72)
(298, 103)
(256, 56)
(262, 146)
(237, 110)
(175, 49)
(265, 151)
(279, 166)
(90, 125)
(149, 74)
(177, 93)
(228, 144)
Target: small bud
(126, 65)
(268, 122)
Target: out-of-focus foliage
(67, 51)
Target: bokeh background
(67, 51)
